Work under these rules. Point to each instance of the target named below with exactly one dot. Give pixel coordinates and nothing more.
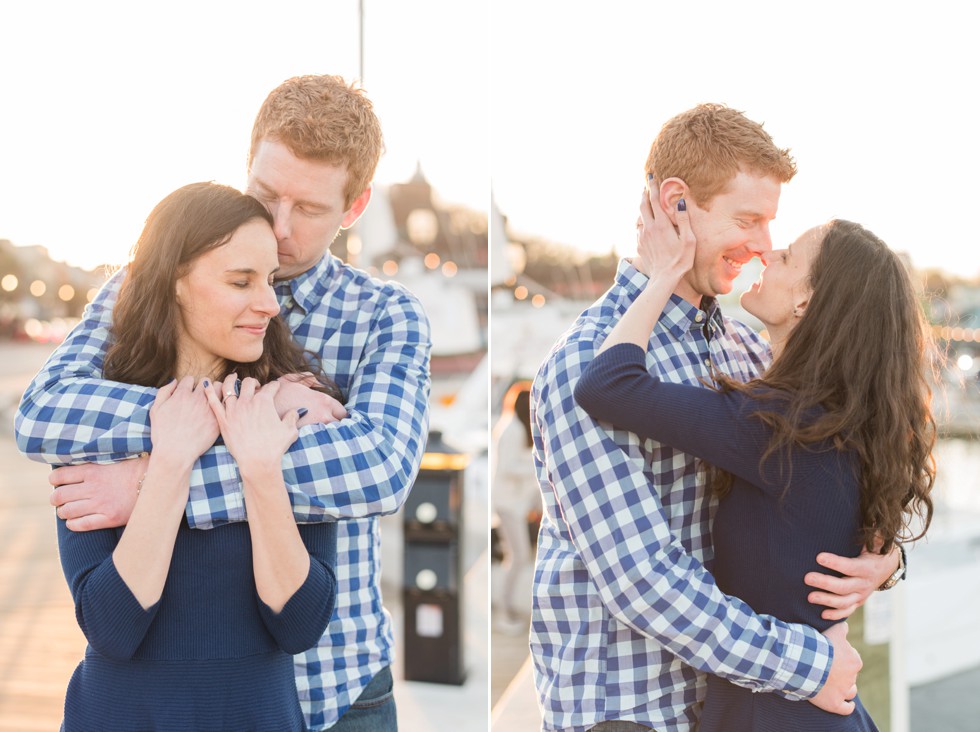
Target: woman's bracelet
(139, 483)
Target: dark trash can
(433, 576)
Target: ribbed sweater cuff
(110, 615)
(303, 619)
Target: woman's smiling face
(783, 288)
(226, 300)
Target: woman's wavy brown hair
(860, 353)
(186, 224)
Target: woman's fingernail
(682, 205)
(206, 383)
(649, 176)
(238, 387)
(302, 412)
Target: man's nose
(761, 244)
(281, 214)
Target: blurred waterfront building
(439, 251)
(40, 298)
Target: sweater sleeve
(718, 427)
(304, 618)
(110, 616)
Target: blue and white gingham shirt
(625, 617)
(373, 339)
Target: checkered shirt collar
(679, 315)
(310, 288)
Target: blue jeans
(374, 710)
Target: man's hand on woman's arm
(296, 392)
(838, 692)
(94, 496)
(862, 576)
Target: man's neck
(683, 290)
(688, 293)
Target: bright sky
(877, 101)
(109, 106)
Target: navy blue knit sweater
(209, 655)
(764, 541)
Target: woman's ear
(800, 308)
(671, 191)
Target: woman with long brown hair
(193, 629)
(830, 450)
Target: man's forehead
(753, 194)
(310, 182)
(274, 159)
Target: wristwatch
(899, 574)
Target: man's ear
(352, 214)
(671, 191)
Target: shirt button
(707, 362)
(698, 318)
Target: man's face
(729, 234)
(306, 199)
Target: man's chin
(721, 288)
(288, 268)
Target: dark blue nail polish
(238, 387)
(206, 383)
(649, 176)
(302, 412)
(682, 205)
